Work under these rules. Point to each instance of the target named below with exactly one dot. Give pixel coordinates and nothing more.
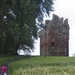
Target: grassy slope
(5, 58)
(47, 61)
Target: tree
(18, 22)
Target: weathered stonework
(54, 39)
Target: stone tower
(54, 38)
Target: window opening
(52, 44)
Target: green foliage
(18, 25)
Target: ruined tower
(54, 38)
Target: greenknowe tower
(54, 38)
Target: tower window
(52, 44)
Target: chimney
(61, 21)
(66, 21)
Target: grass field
(5, 58)
(43, 66)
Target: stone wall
(54, 39)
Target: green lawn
(50, 65)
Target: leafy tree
(20, 21)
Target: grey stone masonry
(54, 38)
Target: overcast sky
(65, 9)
